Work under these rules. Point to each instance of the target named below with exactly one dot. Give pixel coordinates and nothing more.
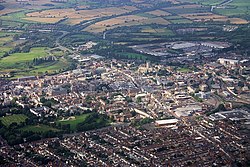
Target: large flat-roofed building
(186, 111)
(233, 115)
(228, 62)
(166, 122)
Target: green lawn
(38, 128)
(184, 70)
(74, 121)
(16, 118)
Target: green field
(174, 17)
(21, 63)
(74, 121)
(188, 10)
(236, 8)
(50, 67)
(148, 15)
(164, 32)
(38, 128)
(185, 70)
(204, 2)
(133, 56)
(16, 118)
(16, 17)
(5, 39)
(180, 21)
(19, 60)
(4, 49)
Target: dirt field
(200, 16)
(159, 13)
(142, 1)
(238, 21)
(214, 17)
(124, 21)
(43, 20)
(233, 20)
(77, 16)
(183, 7)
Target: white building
(166, 122)
(227, 62)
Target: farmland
(74, 16)
(85, 11)
(237, 8)
(43, 20)
(128, 20)
(213, 17)
(16, 118)
(159, 13)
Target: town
(159, 115)
(122, 83)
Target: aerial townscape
(140, 83)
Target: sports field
(16, 118)
(73, 121)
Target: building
(233, 115)
(166, 122)
(203, 87)
(187, 110)
(38, 111)
(228, 62)
(57, 91)
(203, 95)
